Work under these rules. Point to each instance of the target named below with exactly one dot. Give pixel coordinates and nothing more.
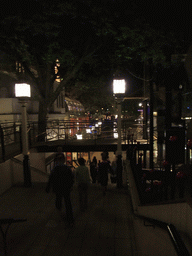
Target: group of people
(62, 178)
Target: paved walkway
(106, 228)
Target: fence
(162, 183)
(68, 131)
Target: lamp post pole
(23, 92)
(119, 90)
(26, 166)
(119, 148)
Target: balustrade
(67, 131)
(161, 184)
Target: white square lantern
(22, 90)
(118, 86)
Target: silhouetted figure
(114, 171)
(83, 180)
(61, 181)
(59, 153)
(104, 168)
(95, 161)
(93, 170)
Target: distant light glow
(79, 136)
(154, 113)
(115, 135)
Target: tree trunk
(42, 120)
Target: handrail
(8, 222)
(31, 167)
(174, 234)
(53, 159)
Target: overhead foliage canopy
(90, 39)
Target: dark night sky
(167, 15)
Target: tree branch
(34, 79)
(70, 75)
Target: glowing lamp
(22, 90)
(118, 86)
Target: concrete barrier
(11, 171)
(6, 176)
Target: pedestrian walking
(59, 153)
(83, 180)
(61, 181)
(93, 170)
(103, 169)
(95, 161)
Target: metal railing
(11, 141)
(32, 168)
(160, 185)
(173, 233)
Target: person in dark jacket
(103, 169)
(83, 180)
(58, 154)
(95, 160)
(61, 181)
(93, 171)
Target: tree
(87, 37)
(55, 30)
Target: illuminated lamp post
(23, 92)
(119, 91)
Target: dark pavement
(105, 228)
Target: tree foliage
(89, 38)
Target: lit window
(57, 64)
